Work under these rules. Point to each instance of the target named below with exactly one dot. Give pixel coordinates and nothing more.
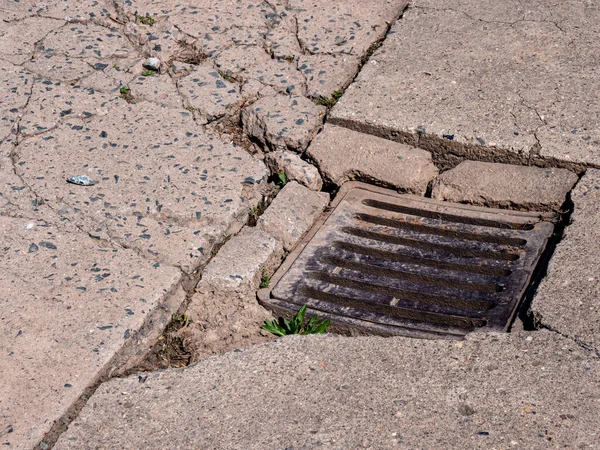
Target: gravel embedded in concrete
(283, 122)
(294, 168)
(292, 213)
(69, 306)
(281, 75)
(521, 390)
(326, 74)
(164, 188)
(505, 186)
(505, 80)
(207, 92)
(15, 86)
(342, 154)
(567, 298)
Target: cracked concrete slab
(342, 26)
(160, 89)
(55, 102)
(205, 90)
(567, 299)
(521, 390)
(89, 42)
(326, 74)
(70, 308)
(507, 82)
(283, 123)
(281, 75)
(164, 188)
(505, 186)
(18, 39)
(15, 87)
(59, 67)
(343, 155)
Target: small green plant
(295, 325)
(337, 95)
(126, 93)
(147, 20)
(290, 58)
(148, 72)
(116, 67)
(227, 77)
(283, 179)
(265, 279)
(180, 320)
(331, 101)
(190, 108)
(374, 46)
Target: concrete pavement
(92, 275)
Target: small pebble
(152, 64)
(81, 180)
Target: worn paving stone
(521, 390)
(69, 306)
(292, 213)
(283, 123)
(224, 313)
(205, 90)
(505, 186)
(164, 188)
(158, 89)
(235, 59)
(281, 75)
(294, 168)
(342, 26)
(567, 299)
(238, 264)
(510, 81)
(326, 74)
(342, 154)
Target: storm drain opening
(397, 264)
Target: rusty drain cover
(396, 264)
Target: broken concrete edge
(554, 303)
(122, 362)
(343, 154)
(505, 186)
(129, 358)
(447, 154)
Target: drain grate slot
(426, 245)
(388, 263)
(447, 217)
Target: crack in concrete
(573, 339)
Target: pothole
(392, 264)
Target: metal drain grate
(387, 263)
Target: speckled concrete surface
(522, 390)
(568, 299)
(510, 81)
(91, 274)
